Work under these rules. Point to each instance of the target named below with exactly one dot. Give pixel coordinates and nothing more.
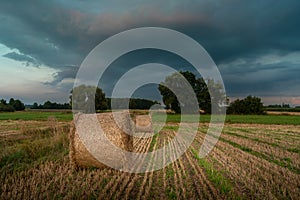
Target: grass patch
(264, 119)
(239, 119)
(177, 118)
(28, 152)
(171, 193)
(37, 115)
(173, 128)
(294, 150)
(169, 172)
(214, 176)
(153, 142)
(170, 190)
(246, 119)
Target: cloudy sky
(255, 44)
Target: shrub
(249, 105)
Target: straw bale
(143, 123)
(115, 132)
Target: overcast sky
(255, 44)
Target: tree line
(86, 94)
(201, 87)
(283, 105)
(83, 96)
(51, 105)
(12, 105)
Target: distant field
(37, 115)
(283, 113)
(244, 119)
(263, 119)
(283, 109)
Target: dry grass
(282, 113)
(35, 165)
(259, 169)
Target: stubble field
(249, 161)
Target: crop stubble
(251, 175)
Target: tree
(141, 103)
(3, 102)
(17, 104)
(82, 98)
(200, 88)
(4, 107)
(35, 105)
(284, 105)
(11, 101)
(248, 105)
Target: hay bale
(116, 133)
(143, 123)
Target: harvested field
(249, 161)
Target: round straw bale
(143, 123)
(116, 133)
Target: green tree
(248, 105)
(4, 107)
(47, 105)
(17, 104)
(200, 88)
(3, 102)
(35, 105)
(82, 98)
(11, 101)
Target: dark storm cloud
(248, 28)
(23, 58)
(280, 79)
(226, 28)
(138, 57)
(61, 33)
(43, 31)
(67, 72)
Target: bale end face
(143, 123)
(81, 157)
